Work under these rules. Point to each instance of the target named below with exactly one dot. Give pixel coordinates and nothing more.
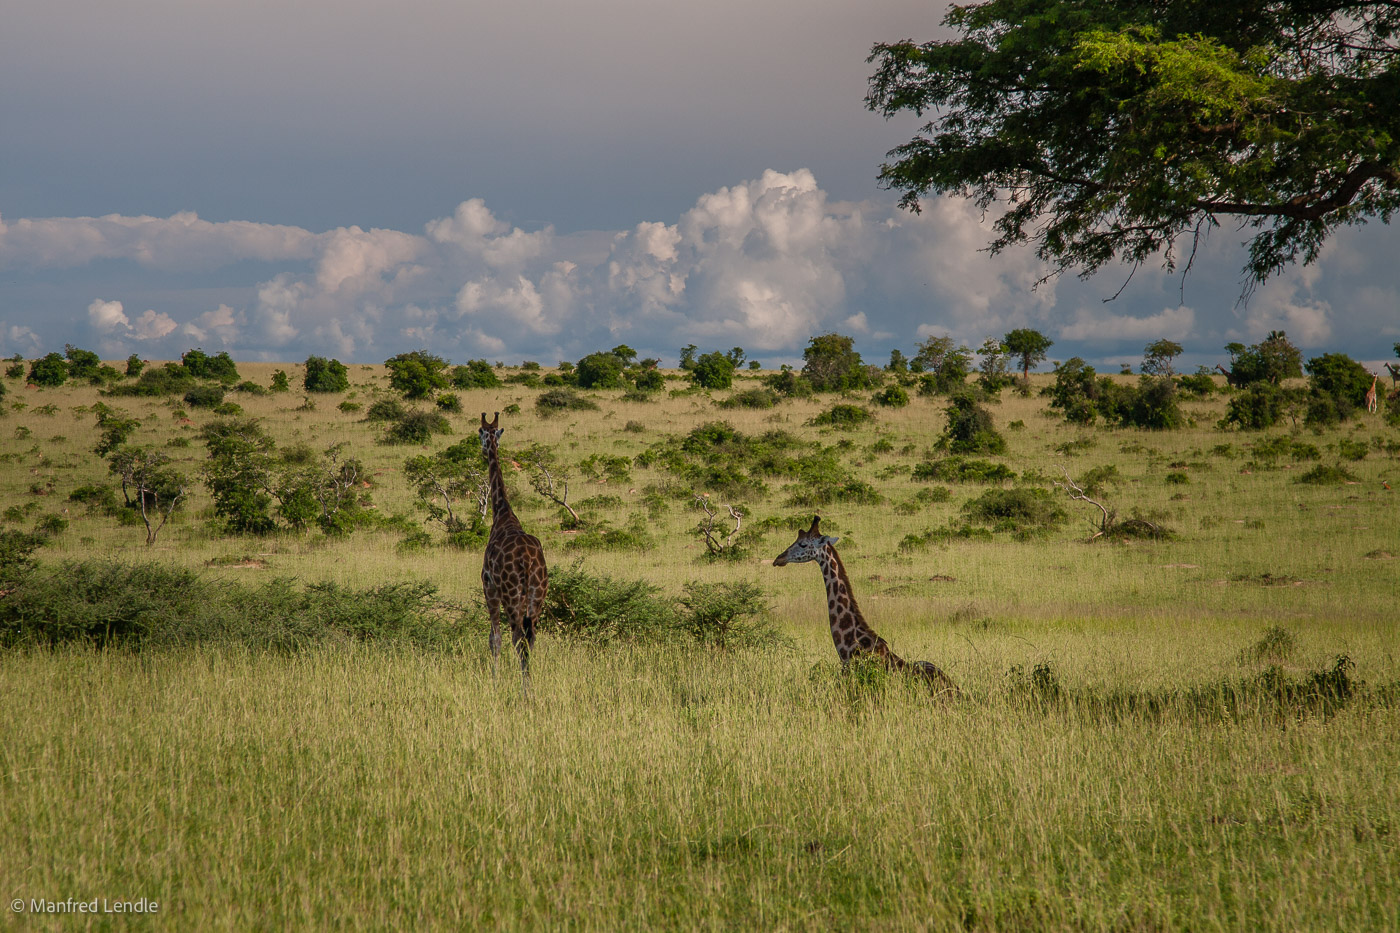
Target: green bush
(205, 396)
(1324, 475)
(970, 428)
(892, 397)
(751, 398)
(323, 375)
(555, 401)
(417, 374)
(600, 371)
(386, 409)
(833, 365)
(1022, 510)
(729, 616)
(713, 371)
(448, 402)
(601, 610)
(475, 374)
(202, 366)
(843, 416)
(790, 383)
(170, 379)
(49, 371)
(417, 427)
(963, 470)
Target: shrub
(1200, 385)
(843, 416)
(1259, 406)
(448, 402)
(600, 371)
(713, 371)
(417, 427)
(280, 382)
(170, 379)
(417, 374)
(833, 365)
(202, 366)
(790, 383)
(386, 409)
(892, 397)
(601, 610)
(1338, 388)
(323, 375)
(963, 470)
(751, 398)
(1023, 511)
(205, 396)
(49, 371)
(238, 474)
(647, 380)
(729, 616)
(970, 428)
(1323, 475)
(476, 374)
(559, 400)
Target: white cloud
(152, 325)
(107, 316)
(1168, 324)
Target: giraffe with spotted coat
(852, 635)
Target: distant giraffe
(1371, 394)
(513, 572)
(1394, 374)
(852, 634)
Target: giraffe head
(808, 546)
(490, 433)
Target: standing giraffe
(1371, 394)
(852, 634)
(513, 572)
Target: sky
(539, 180)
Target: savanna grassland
(1187, 731)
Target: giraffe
(513, 571)
(852, 634)
(1371, 394)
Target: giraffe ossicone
(851, 634)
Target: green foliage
(729, 616)
(944, 363)
(205, 396)
(1338, 388)
(323, 375)
(114, 429)
(647, 379)
(82, 364)
(279, 381)
(602, 536)
(1151, 404)
(751, 398)
(448, 402)
(892, 396)
(556, 401)
(1260, 406)
(1029, 346)
(600, 371)
(417, 374)
(49, 371)
(993, 374)
(170, 379)
(846, 417)
(386, 409)
(134, 365)
(1157, 357)
(476, 374)
(324, 488)
(417, 427)
(202, 366)
(1324, 475)
(970, 428)
(1112, 130)
(1024, 511)
(789, 382)
(1198, 384)
(963, 470)
(151, 486)
(601, 611)
(238, 475)
(833, 365)
(1272, 360)
(713, 371)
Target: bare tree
(1108, 524)
(714, 546)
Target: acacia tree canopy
(1109, 129)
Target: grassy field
(1121, 760)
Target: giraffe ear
(828, 539)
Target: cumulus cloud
(765, 264)
(1104, 327)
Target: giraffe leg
(523, 642)
(493, 607)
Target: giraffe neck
(501, 512)
(849, 630)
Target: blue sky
(536, 181)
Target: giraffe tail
(939, 683)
